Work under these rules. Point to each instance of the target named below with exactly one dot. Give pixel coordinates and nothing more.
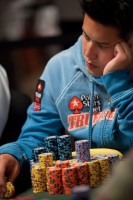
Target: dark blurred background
(31, 32)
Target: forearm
(120, 89)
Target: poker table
(28, 194)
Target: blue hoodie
(69, 98)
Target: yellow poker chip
(102, 151)
(10, 190)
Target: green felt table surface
(44, 195)
(28, 194)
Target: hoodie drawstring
(91, 114)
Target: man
(5, 98)
(86, 90)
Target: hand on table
(9, 170)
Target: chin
(95, 74)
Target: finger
(119, 52)
(126, 49)
(2, 178)
(13, 169)
(12, 175)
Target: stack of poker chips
(69, 179)
(64, 147)
(36, 152)
(82, 173)
(64, 174)
(38, 178)
(113, 158)
(82, 150)
(54, 180)
(60, 146)
(51, 145)
(104, 168)
(94, 173)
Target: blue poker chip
(51, 145)
(36, 152)
(64, 147)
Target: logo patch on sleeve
(38, 95)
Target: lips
(90, 64)
(93, 68)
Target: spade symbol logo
(75, 105)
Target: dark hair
(117, 13)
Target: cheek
(104, 58)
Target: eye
(102, 46)
(86, 36)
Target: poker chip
(69, 179)
(36, 152)
(62, 163)
(10, 190)
(64, 147)
(94, 173)
(51, 145)
(82, 173)
(45, 159)
(105, 168)
(38, 178)
(82, 150)
(54, 180)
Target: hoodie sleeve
(41, 122)
(120, 88)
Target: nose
(90, 50)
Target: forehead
(99, 32)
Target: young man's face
(98, 44)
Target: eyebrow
(101, 43)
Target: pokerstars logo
(38, 95)
(79, 119)
(75, 105)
